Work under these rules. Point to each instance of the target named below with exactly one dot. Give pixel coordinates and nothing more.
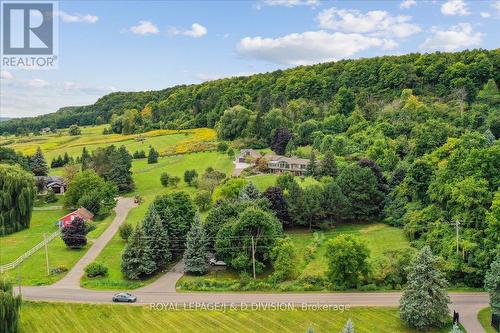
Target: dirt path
(72, 279)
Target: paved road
(72, 279)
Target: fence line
(15, 263)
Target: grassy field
(484, 317)
(81, 318)
(376, 236)
(167, 142)
(33, 271)
(147, 180)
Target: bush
(59, 269)
(96, 269)
(50, 197)
(222, 147)
(125, 230)
(164, 179)
(203, 199)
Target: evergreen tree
(119, 172)
(195, 256)
(156, 238)
(10, 307)
(290, 148)
(18, 188)
(424, 303)
(348, 327)
(85, 159)
(328, 166)
(492, 285)
(74, 234)
(296, 202)
(38, 165)
(312, 167)
(152, 156)
(137, 259)
(249, 192)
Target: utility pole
(253, 257)
(46, 253)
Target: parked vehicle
(124, 297)
(215, 262)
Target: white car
(215, 262)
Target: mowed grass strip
(82, 318)
(484, 317)
(147, 181)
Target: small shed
(81, 212)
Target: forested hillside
(308, 90)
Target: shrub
(125, 230)
(222, 147)
(59, 269)
(50, 197)
(96, 269)
(203, 199)
(164, 179)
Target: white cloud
(376, 23)
(77, 18)
(144, 28)
(309, 47)
(196, 31)
(37, 83)
(485, 14)
(5, 75)
(405, 4)
(496, 6)
(288, 3)
(457, 37)
(455, 7)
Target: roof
(81, 212)
(289, 160)
(250, 152)
(50, 179)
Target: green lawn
(147, 180)
(80, 318)
(376, 236)
(484, 317)
(33, 271)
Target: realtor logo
(29, 34)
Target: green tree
(125, 230)
(74, 130)
(85, 159)
(18, 193)
(312, 166)
(328, 166)
(196, 254)
(231, 189)
(347, 259)
(177, 213)
(10, 307)
(190, 176)
(203, 199)
(37, 163)
(165, 179)
(345, 101)
(277, 203)
(290, 148)
(334, 202)
(153, 156)
(424, 303)
(234, 239)
(233, 122)
(285, 260)
(119, 173)
(360, 187)
(10, 156)
(249, 192)
(492, 285)
(137, 260)
(156, 238)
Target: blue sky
(109, 46)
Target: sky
(107, 46)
